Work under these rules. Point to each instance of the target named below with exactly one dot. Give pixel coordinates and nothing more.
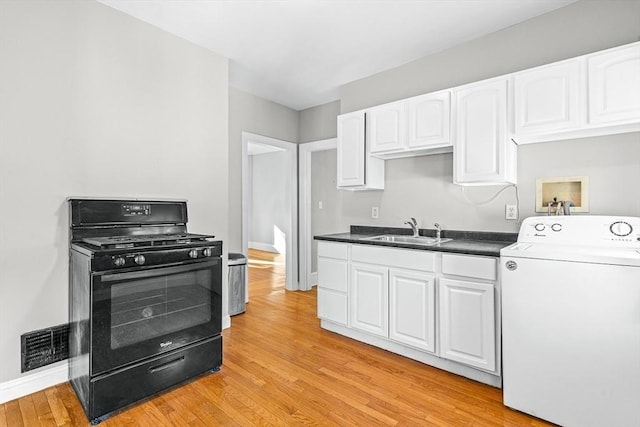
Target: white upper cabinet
(549, 98)
(591, 95)
(614, 86)
(411, 127)
(386, 127)
(429, 120)
(357, 170)
(483, 153)
(351, 149)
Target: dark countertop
(464, 242)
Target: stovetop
(145, 240)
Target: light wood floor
(280, 369)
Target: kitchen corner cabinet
(483, 153)
(357, 170)
(333, 279)
(614, 85)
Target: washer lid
(590, 254)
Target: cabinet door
(412, 309)
(386, 127)
(480, 154)
(467, 323)
(550, 98)
(351, 149)
(369, 299)
(429, 120)
(614, 86)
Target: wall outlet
(510, 212)
(375, 212)
(320, 204)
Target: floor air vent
(43, 347)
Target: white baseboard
(313, 279)
(226, 322)
(32, 383)
(263, 247)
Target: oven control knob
(193, 253)
(139, 259)
(556, 227)
(206, 252)
(539, 226)
(119, 261)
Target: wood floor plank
(58, 410)
(3, 416)
(42, 408)
(13, 414)
(281, 369)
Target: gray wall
(422, 186)
(269, 206)
(580, 28)
(249, 113)
(324, 189)
(318, 123)
(95, 103)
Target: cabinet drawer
(470, 266)
(333, 250)
(333, 274)
(332, 306)
(403, 258)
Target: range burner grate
(146, 240)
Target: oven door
(143, 313)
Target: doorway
(308, 275)
(270, 221)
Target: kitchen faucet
(438, 231)
(414, 226)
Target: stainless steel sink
(420, 240)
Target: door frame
(307, 277)
(291, 149)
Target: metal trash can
(237, 283)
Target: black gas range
(145, 301)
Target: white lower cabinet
(333, 281)
(412, 308)
(369, 296)
(439, 308)
(467, 323)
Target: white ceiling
(299, 52)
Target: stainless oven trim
(157, 271)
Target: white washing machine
(571, 320)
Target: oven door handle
(161, 271)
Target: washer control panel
(582, 230)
